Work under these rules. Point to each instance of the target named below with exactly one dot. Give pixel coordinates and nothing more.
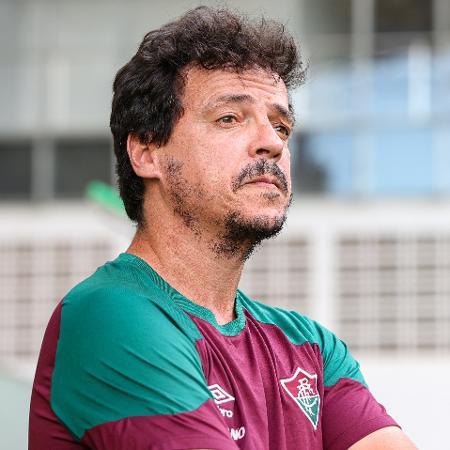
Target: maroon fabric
(250, 367)
(350, 403)
(46, 432)
(202, 428)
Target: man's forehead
(207, 86)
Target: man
(158, 349)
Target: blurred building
(367, 247)
(376, 110)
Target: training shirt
(127, 362)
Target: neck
(188, 262)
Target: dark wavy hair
(149, 88)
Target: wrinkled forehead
(204, 86)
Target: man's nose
(267, 143)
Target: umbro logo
(219, 394)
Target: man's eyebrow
(286, 113)
(231, 98)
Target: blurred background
(366, 250)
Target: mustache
(260, 168)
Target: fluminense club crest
(302, 388)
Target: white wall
(415, 391)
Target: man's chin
(253, 229)
(243, 234)
(268, 226)
(245, 230)
(268, 220)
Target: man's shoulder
(296, 326)
(115, 277)
(124, 348)
(300, 329)
(120, 294)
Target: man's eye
(227, 119)
(283, 130)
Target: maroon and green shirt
(127, 362)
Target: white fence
(378, 275)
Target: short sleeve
(350, 412)
(127, 374)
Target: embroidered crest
(220, 394)
(302, 388)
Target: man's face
(227, 163)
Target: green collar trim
(229, 329)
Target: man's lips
(265, 180)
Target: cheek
(216, 166)
(285, 166)
(212, 177)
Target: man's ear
(143, 157)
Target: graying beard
(241, 238)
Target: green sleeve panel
(337, 361)
(122, 353)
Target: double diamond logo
(302, 388)
(220, 395)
